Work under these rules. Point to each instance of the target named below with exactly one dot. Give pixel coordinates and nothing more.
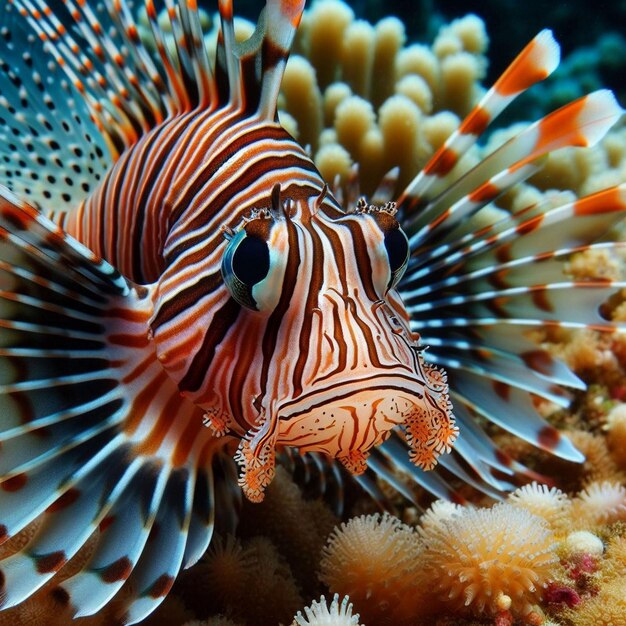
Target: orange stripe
(561, 123)
(485, 193)
(476, 122)
(522, 73)
(442, 162)
(605, 201)
(150, 445)
(187, 440)
(141, 403)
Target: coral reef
(366, 103)
(372, 559)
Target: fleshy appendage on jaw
(346, 424)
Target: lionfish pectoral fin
(534, 63)
(107, 82)
(95, 440)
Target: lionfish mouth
(356, 416)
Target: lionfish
(180, 286)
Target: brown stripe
(222, 321)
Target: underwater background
(553, 552)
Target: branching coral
(487, 560)
(384, 104)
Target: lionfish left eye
(397, 247)
(246, 263)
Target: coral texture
(320, 614)
(483, 561)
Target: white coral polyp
(320, 614)
(603, 502)
(549, 503)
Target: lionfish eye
(246, 263)
(397, 247)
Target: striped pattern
(222, 303)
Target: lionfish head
(335, 365)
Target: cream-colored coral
(367, 552)
(320, 614)
(394, 92)
(600, 503)
(438, 511)
(583, 542)
(475, 562)
(549, 503)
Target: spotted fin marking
(50, 151)
(96, 100)
(107, 457)
(533, 64)
(494, 402)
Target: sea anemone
(439, 510)
(320, 614)
(488, 560)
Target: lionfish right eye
(245, 264)
(397, 247)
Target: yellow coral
(615, 561)
(607, 608)
(394, 93)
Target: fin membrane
(92, 432)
